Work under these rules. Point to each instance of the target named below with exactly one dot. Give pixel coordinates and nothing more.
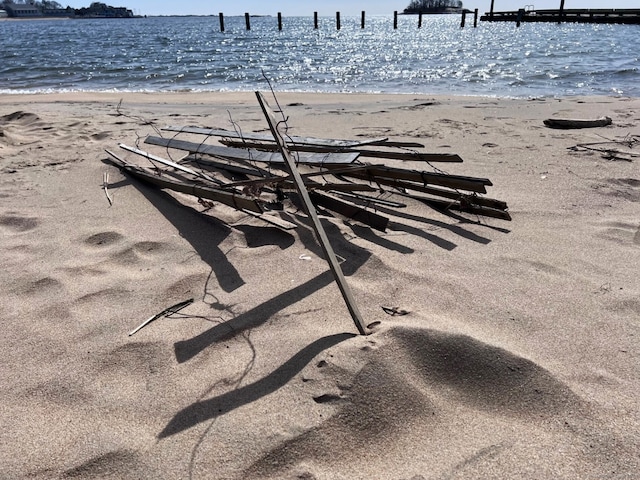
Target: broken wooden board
(239, 202)
(213, 164)
(436, 191)
(407, 156)
(350, 210)
(293, 140)
(168, 163)
(375, 172)
(367, 200)
(250, 155)
(461, 206)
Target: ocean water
(191, 54)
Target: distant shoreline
(21, 19)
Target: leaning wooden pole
(313, 215)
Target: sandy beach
(517, 357)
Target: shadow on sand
(204, 410)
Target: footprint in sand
(20, 117)
(43, 285)
(19, 223)
(101, 136)
(621, 233)
(151, 248)
(103, 239)
(108, 295)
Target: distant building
(22, 11)
(95, 10)
(59, 12)
(3, 14)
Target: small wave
(191, 55)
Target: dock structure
(562, 15)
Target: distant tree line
(47, 7)
(43, 5)
(433, 6)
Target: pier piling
(464, 18)
(221, 17)
(279, 21)
(315, 20)
(337, 20)
(247, 21)
(362, 17)
(395, 20)
(420, 20)
(475, 18)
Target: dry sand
(519, 357)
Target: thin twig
(105, 186)
(138, 118)
(167, 311)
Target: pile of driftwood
(347, 177)
(255, 173)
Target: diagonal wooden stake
(313, 215)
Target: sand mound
(412, 383)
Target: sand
(518, 357)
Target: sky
(324, 7)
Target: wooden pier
(338, 24)
(584, 15)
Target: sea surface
(192, 54)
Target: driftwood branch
(573, 123)
(611, 149)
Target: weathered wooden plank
(306, 176)
(371, 200)
(440, 192)
(273, 220)
(249, 154)
(395, 144)
(388, 154)
(463, 207)
(347, 209)
(381, 172)
(239, 202)
(341, 187)
(212, 163)
(425, 177)
(169, 163)
(317, 226)
(291, 140)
